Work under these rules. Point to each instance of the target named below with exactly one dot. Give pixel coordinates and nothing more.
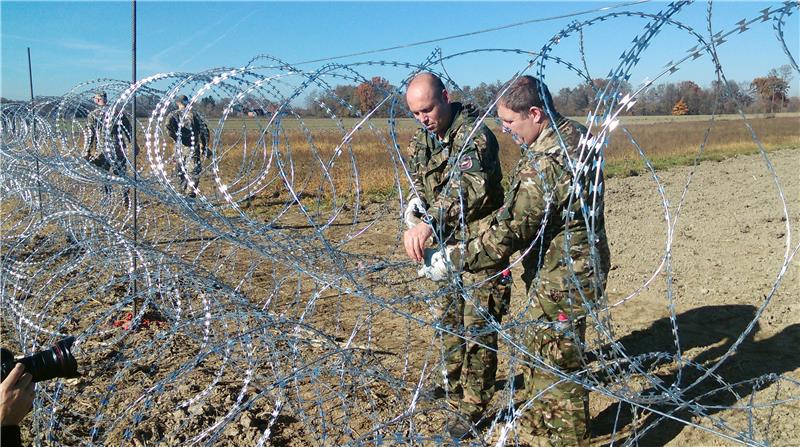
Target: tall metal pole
(33, 137)
(135, 156)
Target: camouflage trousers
(118, 167)
(559, 413)
(471, 350)
(188, 165)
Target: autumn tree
(680, 108)
(370, 94)
(694, 97)
(771, 89)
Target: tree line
(764, 94)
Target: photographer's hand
(16, 396)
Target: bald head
(428, 81)
(429, 101)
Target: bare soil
(339, 359)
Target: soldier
(553, 213)
(189, 131)
(119, 135)
(456, 175)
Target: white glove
(435, 264)
(415, 207)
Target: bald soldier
(553, 212)
(456, 180)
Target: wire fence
(253, 302)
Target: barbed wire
(254, 304)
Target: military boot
(463, 423)
(459, 427)
(436, 392)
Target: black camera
(57, 361)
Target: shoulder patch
(466, 163)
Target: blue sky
(73, 42)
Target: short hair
(526, 92)
(100, 94)
(183, 99)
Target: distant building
(257, 112)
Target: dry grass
(315, 172)
(665, 142)
(368, 164)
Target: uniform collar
(548, 140)
(457, 111)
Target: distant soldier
(189, 131)
(115, 139)
(553, 210)
(450, 192)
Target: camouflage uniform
(96, 153)
(193, 133)
(121, 132)
(471, 356)
(539, 212)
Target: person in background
(119, 135)
(189, 131)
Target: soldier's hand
(414, 209)
(414, 241)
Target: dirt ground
(728, 245)
(728, 250)
(277, 359)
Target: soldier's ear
(536, 113)
(445, 96)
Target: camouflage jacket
(192, 128)
(541, 212)
(448, 183)
(95, 122)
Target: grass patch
(635, 167)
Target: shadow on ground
(713, 330)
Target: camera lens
(57, 361)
